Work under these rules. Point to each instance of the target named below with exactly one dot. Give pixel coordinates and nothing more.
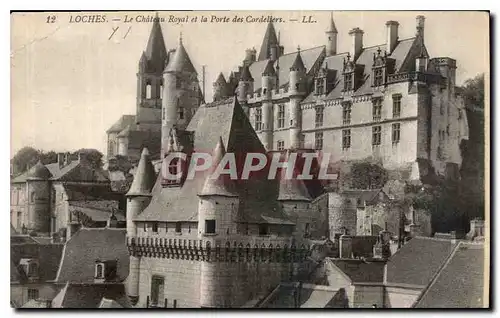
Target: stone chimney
(357, 42)
(345, 245)
(67, 158)
(392, 35)
(250, 56)
(60, 159)
(420, 26)
(476, 229)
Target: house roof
(91, 244)
(97, 211)
(37, 303)
(257, 195)
(48, 256)
(109, 303)
(90, 192)
(460, 283)
(121, 123)
(180, 62)
(90, 295)
(418, 261)
(309, 296)
(145, 176)
(360, 271)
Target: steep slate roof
(37, 303)
(109, 303)
(91, 244)
(90, 192)
(292, 189)
(402, 54)
(89, 295)
(310, 296)
(180, 62)
(332, 27)
(121, 123)
(220, 79)
(360, 271)
(48, 256)
(156, 52)
(258, 195)
(97, 211)
(418, 261)
(270, 40)
(297, 64)
(309, 57)
(145, 176)
(38, 172)
(460, 283)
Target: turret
(38, 193)
(181, 96)
(269, 80)
(297, 92)
(220, 88)
(331, 38)
(245, 85)
(250, 56)
(138, 198)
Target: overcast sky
(70, 82)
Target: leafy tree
(48, 157)
(366, 175)
(25, 158)
(92, 156)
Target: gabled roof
(180, 62)
(145, 176)
(270, 40)
(48, 256)
(460, 283)
(220, 79)
(121, 123)
(91, 244)
(220, 185)
(90, 295)
(418, 261)
(258, 195)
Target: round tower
(331, 38)
(341, 214)
(38, 187)
(138, 198)
(245, 87)
(268, 84)
(217, 215)
(297, 92)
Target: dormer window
(320, 85)
(378, 76)
(105, 270)
(30, 267)
(319, 116)
(382, 65)
(99, 271)
(348, 81)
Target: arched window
(148, 90)
(99, 270)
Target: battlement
(256, 249)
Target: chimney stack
(420, 26)
(67, 158)
(392, 35)
(357, 42)
(60, 159)
(345, 245)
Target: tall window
(319, 116)
(155, 227)
(178, 227)
(258, 118)
(281, 116)
(346, 113)
(157, 290)
(32, 197)
(396, 133)
(378, 77)
(32, 293)
(318, 141)
(163, 113)
(180, 111)
(377, 109)
(396, 106)
(178, 82)
(307, 230)
(376, 135)
(263, 229)
(346, 139)
(145, 224)
(210, 226)
(320, 86)
(281, 145)
(148, 90)
(33, 269)
(99, 270)
(348, 81)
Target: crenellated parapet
(217, 250)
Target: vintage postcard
(250, 159)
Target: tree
(366, 175)
(92, 156)
(25, 158)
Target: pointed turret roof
(38, 172)
(269, 70)
(220, 79)
(144, 178)
(298, 64)
(156, 52)
(222, 185)
(270, 39)
(180, 61)
(245, 74)
(292, 189)
(332, 28)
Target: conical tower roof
(156, 52)
(292, 189)
(38, 172)
(298, 64)
(332, 28)
(144, 178)
(269, 70)
(220, 79)
(180, 61)
(270, 40)
(245, 74)
(222, 185)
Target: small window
(145, 224)
(32, 197)
(178, 227)
(346, 139)
(348, 79)
(175, 303)
(396, 133)
(155, 227)
(346, 113)
(264, 91)
(377, 109)
(258, 118)
(307, 230)
(281, 145)
(148, 91)
(319, 116)
(181, 112)
(246, 229)
(376, 135)
(318, 140)
(281, 116)
(396, 106)
(99, 270)
(210, 226)
(320, 86)
(263, 229)
(32, 293)
(33, 269)
(378, 77)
